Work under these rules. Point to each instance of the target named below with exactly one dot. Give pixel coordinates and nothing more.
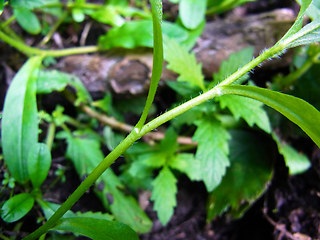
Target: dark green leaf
(183, 63)
(17, 207)
(164, 195)
(186, 163)
(97, 229)
(1, 6)
(139, 34)
(248, 109)
(246, 178)
(295, 109)
(27, 20)
(39, 161)
(192, 12)
(212, 151)
(232, 64)
(85, 153)
(19, 123)
(295, 161)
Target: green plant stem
(6, 23)
(29, 51)
(50, 135)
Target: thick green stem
(29, 51)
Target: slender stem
(6, 23)
(50, 135)
(29, 51)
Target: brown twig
(113, 123)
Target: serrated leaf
(19, 128)
(86, 155)
(134, 34)
(186, 163)
(192, 12)
(17, 207)
(27, 20)
(184, 63)
(39, 162)
(295, 109)
(212, 151)
(232, 64)
(249, 109)
(164, 195)
(95, 215)
(246, 178)
(295, 161)
(96, 229)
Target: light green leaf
(247, 108)
(19, 120)
(108, 15)
(39, 162)
(212, 151)
(232, 64)
(78, 15)
(184, 63)
(85, 153)
(295, 161)
(50, 208)
(295, 109)
(246, 178)
(17, 207)
(186, 163)
(164, 195)
(96, 229)
(27, 20)
(314, 9)
(192, 12)
(28, 4)
(139, 34)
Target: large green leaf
(17, 207)
(85, 153)
(27, 20)
(164, 194)
(192, 12)
(184, 63)
(246, 178)
(295, 109)
(139, 34)
(39, 162)
(212, 151)
(96, 229)
(248, 109)
(19, 124)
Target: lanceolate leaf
(27, 20)
(164, 195)
(212, 151)
(246, 178)
(97, 229)
(19, 123)
(295, 109)
(192, 12)
(39, 161)
(17, 207)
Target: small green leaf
(192, 12)
(248, 109)
(78, 15)
(108, 15)
(164, 195)
(39, 162)
(232, 64)
(17, 207)
(139, 34)
(19, 124)
(296, 162)
(27, 20)
(183, 63)
(246, 178)
(212, 151)
(186, 163)
(295, 109)
(50, 208)
(96, 229)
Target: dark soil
(289, 209)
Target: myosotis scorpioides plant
(297, 110)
